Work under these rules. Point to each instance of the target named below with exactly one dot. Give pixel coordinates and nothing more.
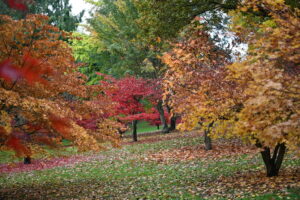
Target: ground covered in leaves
(170, 166)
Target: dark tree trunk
(172, 120)
(157, 127)
(27, 160)
(163, 120)
(207, 139)
(273, 163)
(134, 130)
(173, 123)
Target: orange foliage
(42, 94)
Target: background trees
(117, 47)
(58, 11)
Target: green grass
(143, 127)
(124, 174)
(7, 156)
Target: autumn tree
(256, 99)
(270, 78)
(128, 93)
(195, 82)
(42, 94)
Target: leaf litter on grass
(221, 149)
(251, 183)
(124, 174)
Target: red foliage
(128, 92)
(18, 4)
(90, 123)
(14, 143)
(8, 71)
(33, 70)
(60, 125)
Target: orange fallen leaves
(220, 150)
(255, 183)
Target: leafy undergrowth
(133, 172)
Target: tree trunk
(157, 127)
(27, 160)
(207, 139)
(172, 120)
(173, 123)
(134, 130)
(273, 163)
(163, 120)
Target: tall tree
(270, 75)
(257, 98)
(114, 26)
(194, 82)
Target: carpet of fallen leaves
(221, 149)
(252, 183)
(165, 166)
(42, 164)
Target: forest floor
(160, 166)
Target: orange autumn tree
(270, 117)
(195, 83)
(43, 97)
(256, 99)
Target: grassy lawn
(143, 127)
(132, 173)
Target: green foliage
(58, 11)
(165, 19)
(114, 28)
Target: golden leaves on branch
(270, 76)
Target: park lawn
(143, 127)
(165, 169)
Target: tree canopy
(43, 95)
(58, 11)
